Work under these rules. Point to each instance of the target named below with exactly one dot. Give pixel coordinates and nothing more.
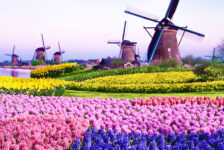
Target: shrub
(209, 72)
(36, 63)
(170, 63)
(117, 63)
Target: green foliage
(209, 72)
(117, 63)
(190, 60)
(146, 69)
(43, 59)
(36, 63)
(170, 63)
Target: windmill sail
(141, 14)
(173, 7)
(154, 43)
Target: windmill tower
(57, 58)
(214, 56)
(13, 56)
(127, 48)
(164, 43)
(40, 53)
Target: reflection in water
(15, 72)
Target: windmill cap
(40, 49)
(128, 43)
(57, 53)
(14, 55)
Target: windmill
(13, 56)
(40, 53)
(127, 48)
(214, 56)
(164, 43)
(57, 58)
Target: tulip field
(51, 122)
(35, 114)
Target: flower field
(160, 82)
(148, 88)
(11, 85)
(55, 70)
(48, 122)
(146, 78)
(40, 131)
(35, 116)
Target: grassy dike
(91, 94)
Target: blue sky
(83, 27)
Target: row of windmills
(164, 44)
(39, 54)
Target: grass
(91, 94)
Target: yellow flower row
(148, 83)
(146, 78)
(31, 86)
(149, 88)
(45, 70)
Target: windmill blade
(43, 40)
(120, 51)
(141, 14)
(171, 9)
(47, 47)
(13, 50)
(187, 33)
(61, 59)
(8, 55)
(123, 36)
(62, 52)
(59, 46)
(114, 42)
(154, 43)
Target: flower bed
(55, 70)
(178, 100)
(149, 88)
(111, 140)
(41, 131)
(166, 82)
(120, 115)
(11, 85)
(124, 71)
(146, 78)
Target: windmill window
(169, 50)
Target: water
(15, 72)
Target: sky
(83, 27)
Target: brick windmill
(57, 58)
(13, 56)
(127, 48)
(164, 43)
(40, 53)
